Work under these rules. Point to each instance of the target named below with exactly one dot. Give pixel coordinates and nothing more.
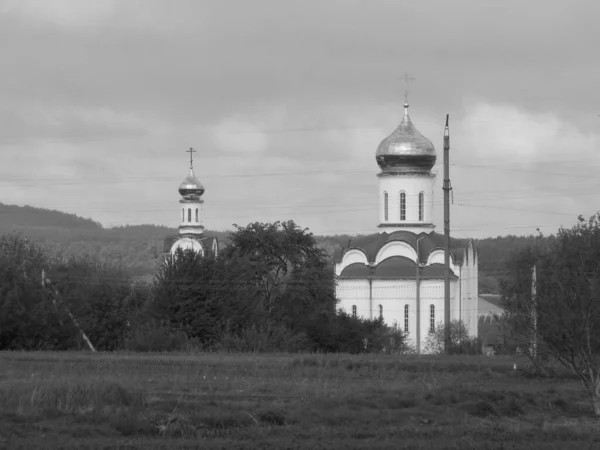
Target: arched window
(189, 214)
(402, 205)
(196, 214)
(421, 205)
(354, 311)
(431, 318)
(380, 312)
(406, 318)
(385, 206)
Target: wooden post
(534, 311)
(45, 282)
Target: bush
(152, 338)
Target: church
(191, 231)
(398, 273)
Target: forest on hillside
(139, 247)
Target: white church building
(398, 274)
(191, 230)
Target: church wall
(412, 185)
(190, 213)
(432, 293)
(393, 296)
(354, 292)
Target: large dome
(406, 150)
(191, 186)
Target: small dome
(406, 150)
(191, 186)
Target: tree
(28, 318)
(460, 341)
(563, 317)
(95, 297)
(205, 295)
(289, 269)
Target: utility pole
(534, 311)
(418, 295)
(446, 189)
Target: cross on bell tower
(407, 80)
(191, 151)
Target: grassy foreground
(214, 401)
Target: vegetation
(244, 401)
(270, 290)
(460, 341)
(139, 248)
(560, 320)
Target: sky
(287, 101)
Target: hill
(139, 247)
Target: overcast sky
(286, 102)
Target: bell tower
(406, 182)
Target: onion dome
(406, 150)
(191, 186)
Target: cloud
(286, 104)
(63, 12)
(507, 134)
(238, 135)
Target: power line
(37, 181)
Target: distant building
(490, 332)
(399, 274)
(191, 231)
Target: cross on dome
(191, 151)
(407, 80)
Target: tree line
(551, 297)
(138, 248)
(270, 289)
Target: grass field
(242, 401)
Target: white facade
(396, 299)
(399, 274)
(191, 216)
(406, 202)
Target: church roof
(206, 242)
(395, 267)
(373, 243)
(406, 149)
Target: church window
(380, 312)
(421, 204)
(189, 214)
(354, 311)
(402, 205)
(196, 214)
(406, 318)
(431, 318)
(385, 205)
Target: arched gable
(187, 243)
(436, 256)
(354, 256)
(396, 248)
